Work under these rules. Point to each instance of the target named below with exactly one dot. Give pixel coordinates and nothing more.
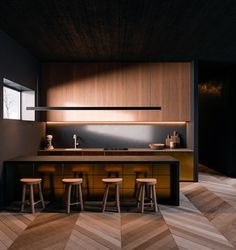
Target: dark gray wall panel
(113, 135)
(217, 137)
(17, 137)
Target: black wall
(16, 64)
(217, 135)
(94, 136)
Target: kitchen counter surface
(119, 150)
(94, 159)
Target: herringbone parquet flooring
(205, 219)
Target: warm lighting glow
(125, 123)
(93, 116)
(214, 89)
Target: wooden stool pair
(144, 183)
(30, 182)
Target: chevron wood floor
(205, 219)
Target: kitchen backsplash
(102, 135)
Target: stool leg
(77, 193)
(52, 185)
(73, 191)
(87, 185)
(151, 195)
(68, 198)
(146, 186)
(81, 197)
(32, 198)
(142, 197)
(118, 197)
(41, 195)
(23, 198)
(105, 198)
(154, 198)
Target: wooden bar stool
(48, 170)
(113, 170)
(68, 185)
(109, 182)
(151, 183)
(29, 182)
(80, 171)
(140, 171)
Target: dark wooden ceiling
(124, 30)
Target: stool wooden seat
(113, 170)
(80, 171)
(151, 183)
(69, 182)
(30, 182)
(48, 170)
(139, 170)
(108, 182)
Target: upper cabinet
(117, 84)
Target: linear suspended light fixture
(92, 108)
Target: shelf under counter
(184, 155)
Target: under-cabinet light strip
(91, 108)
(121, 123)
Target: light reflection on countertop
(123, 150)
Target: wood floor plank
(46, 231)
(11, 226)
(220, 213)
(148, 233)
(2, 246)
(189, 226)
(96, 231)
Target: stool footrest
(27, 202)
(74, 203)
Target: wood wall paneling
(118, 84)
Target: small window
(11, 103)
(28, 100)
(16, 98)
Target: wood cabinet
(117, 84)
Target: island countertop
(94, 159)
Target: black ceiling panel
(123, 30)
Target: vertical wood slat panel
(118, 84)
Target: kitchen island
(164, 168)
(185, 156)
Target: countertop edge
(120, 150)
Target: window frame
(20, 108)
(19, 88)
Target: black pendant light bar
(91, 108)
